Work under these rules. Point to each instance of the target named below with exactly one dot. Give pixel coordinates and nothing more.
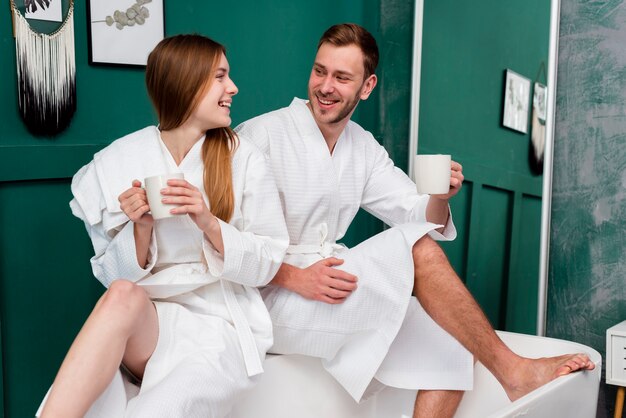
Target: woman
(186, 320)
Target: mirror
(461, 52)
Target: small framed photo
(124, 32)
(516, 102)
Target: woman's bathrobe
(380, 331)
(214, 329)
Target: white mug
(432, 173)
(153, 186)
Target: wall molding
(502, 179)
(21, 163)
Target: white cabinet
(616, 355)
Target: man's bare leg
(437, 403)
(123, 326)
(446, 299)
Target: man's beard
(344, 112)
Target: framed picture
(123, 32)
(50, 10)
(516, 102)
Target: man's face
(337, 83)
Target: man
(355, 310)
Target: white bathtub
(297, 386)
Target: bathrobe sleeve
(255, 246)
(115, 254)
(111, 233)
(390, 195)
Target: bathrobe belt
(324, 248)
(167, 283)
(244, 333)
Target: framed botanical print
(123, 32)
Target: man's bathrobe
(214, 328)
(380, 330)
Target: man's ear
(368, 86)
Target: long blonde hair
(180, 70)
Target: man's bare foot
(530, 374)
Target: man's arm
(319, 281)
(437, 209)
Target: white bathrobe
(380, 330)
(214, 328)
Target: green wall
(467, 45)
(270, 47)
(587, 281)
(466, 48)
(46, 289)
(46, 285)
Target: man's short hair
(345, 34)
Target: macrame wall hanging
(46, 74)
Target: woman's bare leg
(122, 326)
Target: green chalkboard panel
(587, 277)
(588, 232)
